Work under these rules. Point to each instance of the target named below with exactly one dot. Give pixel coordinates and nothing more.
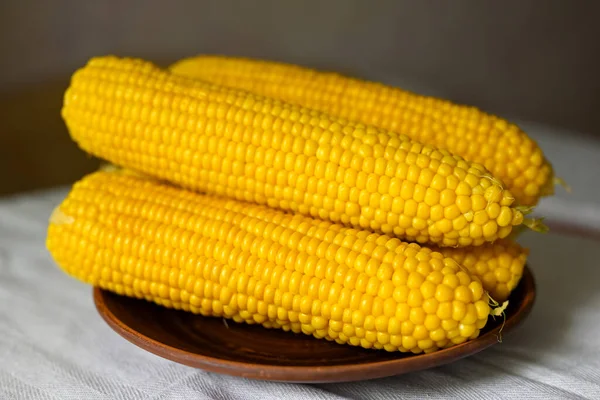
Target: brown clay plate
(254, 352)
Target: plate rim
(319, 374)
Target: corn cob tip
(498, 310)
(525, 210)
(536, 225)
(561, 182)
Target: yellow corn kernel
(232, 143)
(432, 121)
(250, 263)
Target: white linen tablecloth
(53, 344)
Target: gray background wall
(532, 59)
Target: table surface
(53, 344)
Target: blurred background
(525, 59)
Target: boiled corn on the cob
(505, 150)
(225, 258)
(230, 142)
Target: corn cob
(230, 142)
(498, 265)
(254, 264)
(506, 151)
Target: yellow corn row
(229, 142)
(506, 151)
(253, 264)
(498, 265)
